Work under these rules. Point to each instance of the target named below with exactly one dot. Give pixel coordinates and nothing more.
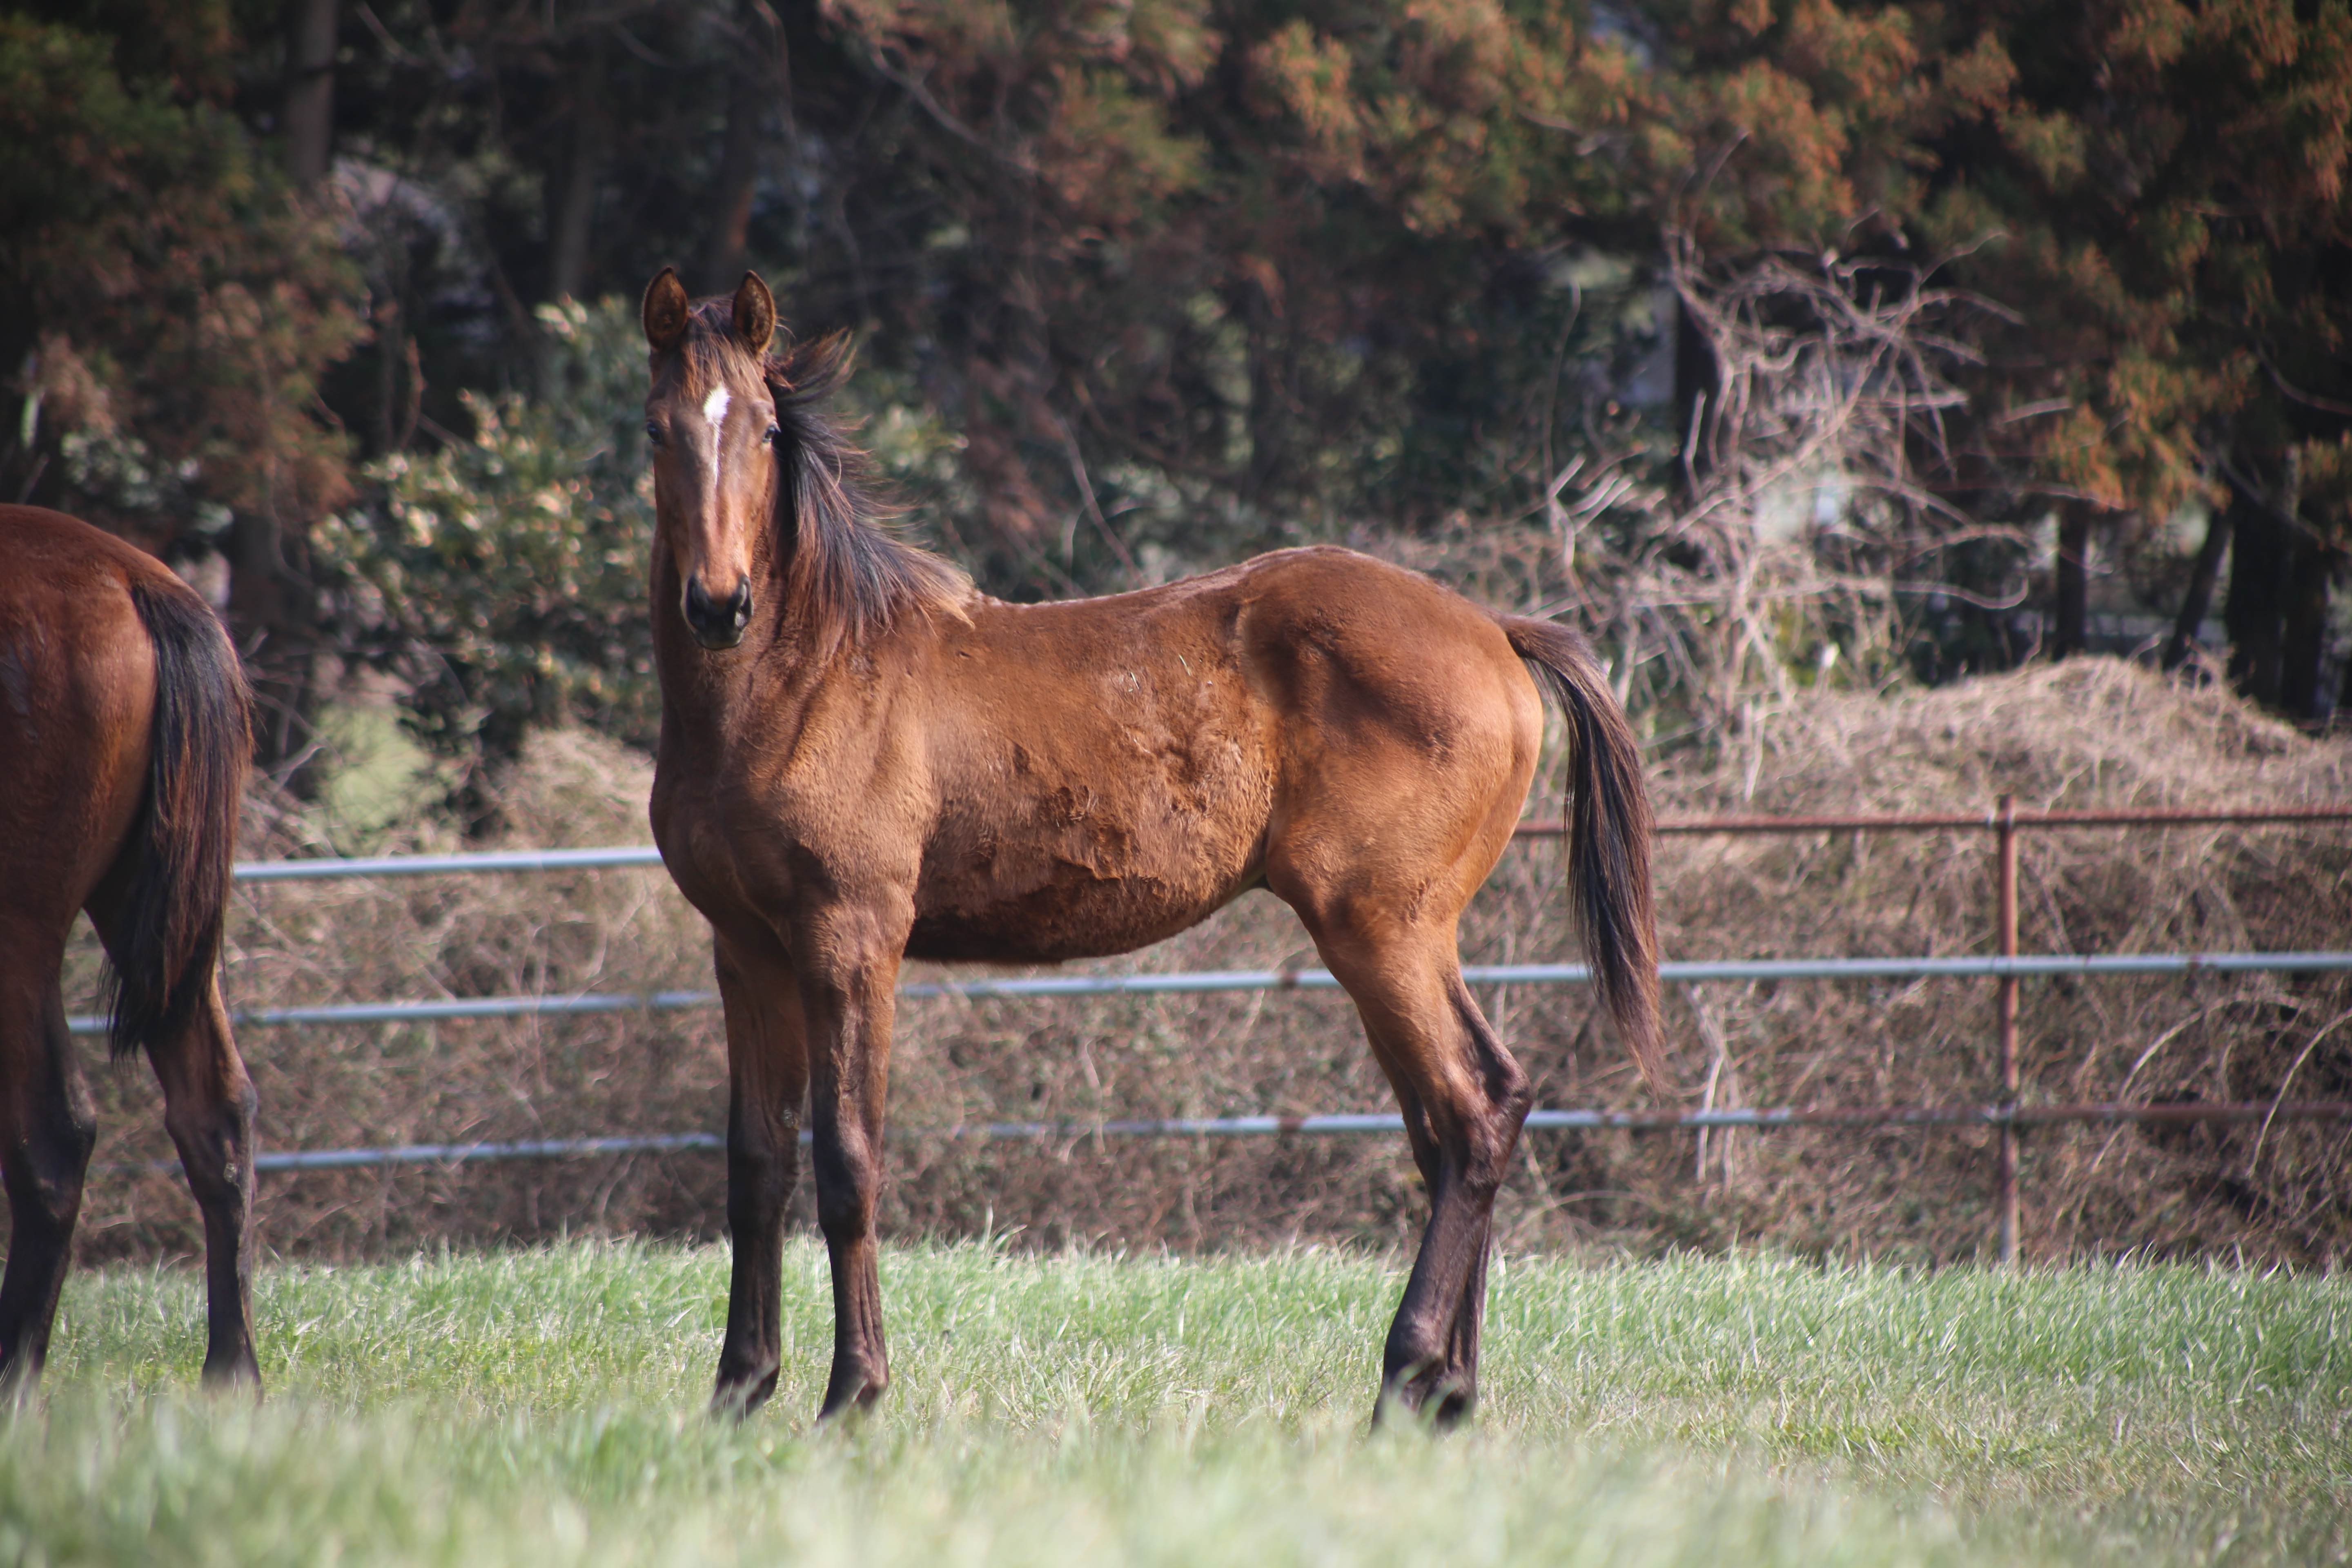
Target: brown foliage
(2087, 733)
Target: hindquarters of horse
(77, 688)
(1411, 730)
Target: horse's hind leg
(47, 1131)
(767, 1072)
(1464, 1099)
(208, 1104)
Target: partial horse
(863, 759)
(126, 729)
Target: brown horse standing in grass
(861, 759)
(124, 730)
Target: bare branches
(1805, 481)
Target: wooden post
(2005, 1180)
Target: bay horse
(861, 759)
(126, 726)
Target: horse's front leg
(848, 961)
(767, 1073)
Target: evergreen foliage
(1186, 277)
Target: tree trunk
(2261, 554)
(2302, 640)
(308, 117)
(2198, 602)
(757, 74)
(571, 222)
(2344, 695)
(1271, 361)
(2071, 620)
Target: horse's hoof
(736, 1397)
(240, 1374)
(850, 1393)
(1428, 1399)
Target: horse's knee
(847, 1174)
(44, 1177)
(763, 1161)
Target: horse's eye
(652, 432)
(775, 433)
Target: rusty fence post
(2005, 1177)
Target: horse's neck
(711, 695)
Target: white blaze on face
(714, 414)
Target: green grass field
(546, 1408)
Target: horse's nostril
(716, 625)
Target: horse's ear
(755, 313)
(665, 310)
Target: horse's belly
(1044, 911)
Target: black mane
(850, 576)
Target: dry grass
(2089, 733)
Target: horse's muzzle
(717, 622)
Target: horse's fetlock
(1412, 1349)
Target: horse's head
(712, 421)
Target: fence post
(2005, 1178)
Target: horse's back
(76, 690)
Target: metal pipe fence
(1327, 1125)
(2021, 965)
(2007, 967)
(627, 855)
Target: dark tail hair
(167, 936)
(1609, 837)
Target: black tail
(1609, 837)
(167, 936)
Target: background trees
(1787, 341)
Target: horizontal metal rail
(1311, 1126)
(1928, 822)
(641, 855)
(1311, 980)
(328, 870)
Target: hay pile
(2085, 734)
(2090, 732)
